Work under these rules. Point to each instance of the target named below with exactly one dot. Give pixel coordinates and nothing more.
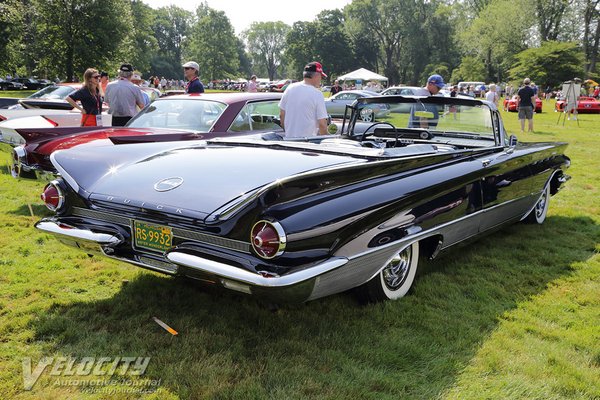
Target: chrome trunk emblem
(167, 184)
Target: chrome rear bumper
(297, 286)
(84, 235)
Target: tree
(591, 34)
(550, 64)
(382, 22)
(171, 27)
(470, 69)
(549, 16)
(245, 68)
(493, 45)
(300, 44)
(332, 43)
(214, 44)
(266, 43)
(11, 28)
(143, 42)
(74, 35)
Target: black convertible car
(297, 220)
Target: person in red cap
(302, 108)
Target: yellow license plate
(152, 237)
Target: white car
(36, 118)
(401, 91)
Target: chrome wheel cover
(396, 271)
(367, 115)
(540, 207)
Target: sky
(243, 13)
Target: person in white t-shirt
(302, 108)
(492, 96)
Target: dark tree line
(405, 40)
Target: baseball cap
(136, 77)
(192, 64)
(437, 80)
(126, 68)
(104, 73)
(315, 67)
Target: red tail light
(52, 197)
(268, 239)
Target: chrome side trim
(418, 234)
(103, 239)
(240, 275)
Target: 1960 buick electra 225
(296, 220)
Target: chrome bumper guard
(85, 235)
(250, 278)
(296, 286)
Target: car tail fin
(33, 135)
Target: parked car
(401, 91)
(298, 220)
(10, 85)
(512, 104)
(50, 97)
(585, 105)
(336, 104)
(30, 83)
(6, 102)
(264, 86)
(172, 118)
(475, 85)
(280, 85)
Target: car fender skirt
(79, 235)
(251, 278)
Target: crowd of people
(123, 96)
(302, 108)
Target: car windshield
(53, 92)
(443, 117)
(188, 114)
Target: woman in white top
(492, 96)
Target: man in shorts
(526, 105)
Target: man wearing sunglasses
(191, 71)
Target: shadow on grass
(231, 345)
(38, 210)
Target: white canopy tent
(362, 74)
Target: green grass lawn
(515, 315)
(17, 93)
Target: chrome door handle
(486, 162)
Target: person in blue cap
(435, 83)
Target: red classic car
(172, 118)
(512, 104)
(585, 105)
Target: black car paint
(329, 205)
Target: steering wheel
(364, 135)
